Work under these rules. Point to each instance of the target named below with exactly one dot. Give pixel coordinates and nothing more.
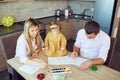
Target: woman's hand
(35, 53)
(85, 65)
(43, 65)
(74, 54)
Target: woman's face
(33, 31)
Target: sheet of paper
(29, 69)
(77, 61)
(66, 60)
(58, 60)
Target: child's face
(55, 30)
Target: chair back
(8, 44)
(111, 51)
(8, 47)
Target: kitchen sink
(86, 17)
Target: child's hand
(46, 47)
(62, 48)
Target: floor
(4, 75)
(115, 64)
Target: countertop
(18, 26)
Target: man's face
(91, 36)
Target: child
(55, 41)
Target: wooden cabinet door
(67, 28)
(47, 28)
(77, 25)
(7, 0)
(3, 64)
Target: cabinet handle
(78, 20)
(68, 21)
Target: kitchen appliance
(57, 13)
(104, 13)
(66, 12)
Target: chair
(8, 46)
(111, 51)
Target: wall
(116, 20)
(78, 6)
(23, 9)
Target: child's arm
(63, 43)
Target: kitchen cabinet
(77, 25)
(3, 64)
(88, 0)
(66, 28)
(7, 0)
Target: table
(103, 72)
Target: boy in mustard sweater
(55, 41)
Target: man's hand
(86, 65)
(74, 54)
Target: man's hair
(92, 27)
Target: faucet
(83, 14)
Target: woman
(29, 44)
(55, 42)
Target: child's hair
(55, 22)
(29, 24)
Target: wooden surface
(103, 72)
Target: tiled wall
(23, 9)
(78, 6)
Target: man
(91, 43)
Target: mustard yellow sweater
(54, 44)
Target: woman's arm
(36, 63)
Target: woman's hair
(30, 23)
(55, 22)
(92, 27)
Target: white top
(93, 48)
(22, 48)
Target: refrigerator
(104, 13)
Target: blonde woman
(55, 41)
(29, 44)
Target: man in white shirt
(91, 43)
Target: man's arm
(89, 63)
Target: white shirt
(22, 48)
(93, 48)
